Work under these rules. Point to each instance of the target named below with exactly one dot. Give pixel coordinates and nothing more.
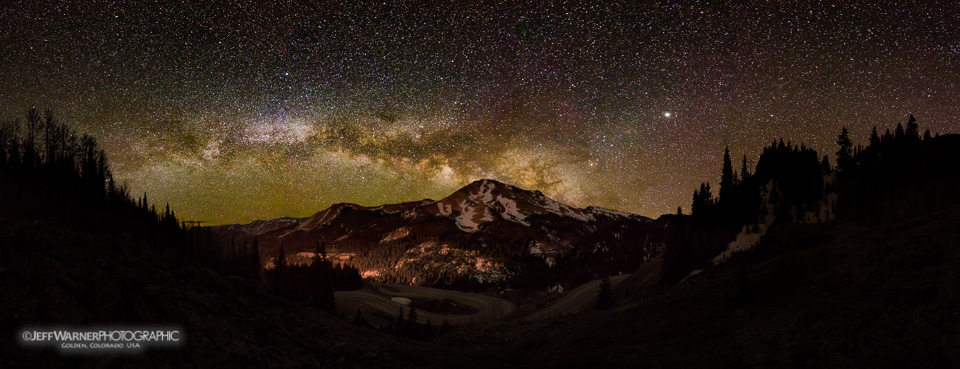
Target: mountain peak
(486, 200)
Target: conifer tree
(913, 130)
(320, 250)
(254, 260)
(605, 297)
(400, 321)
(744, 173)
(358, 318)
(874, 137)
(412, 317)
(844, 154)
(726, 177)
(279, 268)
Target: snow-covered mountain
(486, 232)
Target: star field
(234, 110)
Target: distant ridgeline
(896, 177)
(50, 173)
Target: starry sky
(234, 110)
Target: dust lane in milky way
(236, 111)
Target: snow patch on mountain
(466, 220)
(475, 210)
(561, 209)
(511, 211)
(396, 234)
(444, 209)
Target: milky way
(236, 111)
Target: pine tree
(874, 137)
(320, 250)
(358, 318)
(254, 260)
(279, 269)
(913, 130)
(400, 322)
(926, 135)
(704, 195)
(744, 173)
(726, 177)
(605, 297)
(696, 208)
(898, 132)
(412, 317)
(844, 154)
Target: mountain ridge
(485, 225)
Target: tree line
(894, 177)
(71, 178)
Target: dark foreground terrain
(58, 269)
(832, 294)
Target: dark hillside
(843, 296)
(60, 272)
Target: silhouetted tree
(400, 321)
(874, 137)
(913, 129)
(320, 250)
(605, 297)
(727, 178)
(844, 153)
(358, 318)
(412, 326)
(744, 172)
(279, 268)
(253, 259)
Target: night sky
(237, 111)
